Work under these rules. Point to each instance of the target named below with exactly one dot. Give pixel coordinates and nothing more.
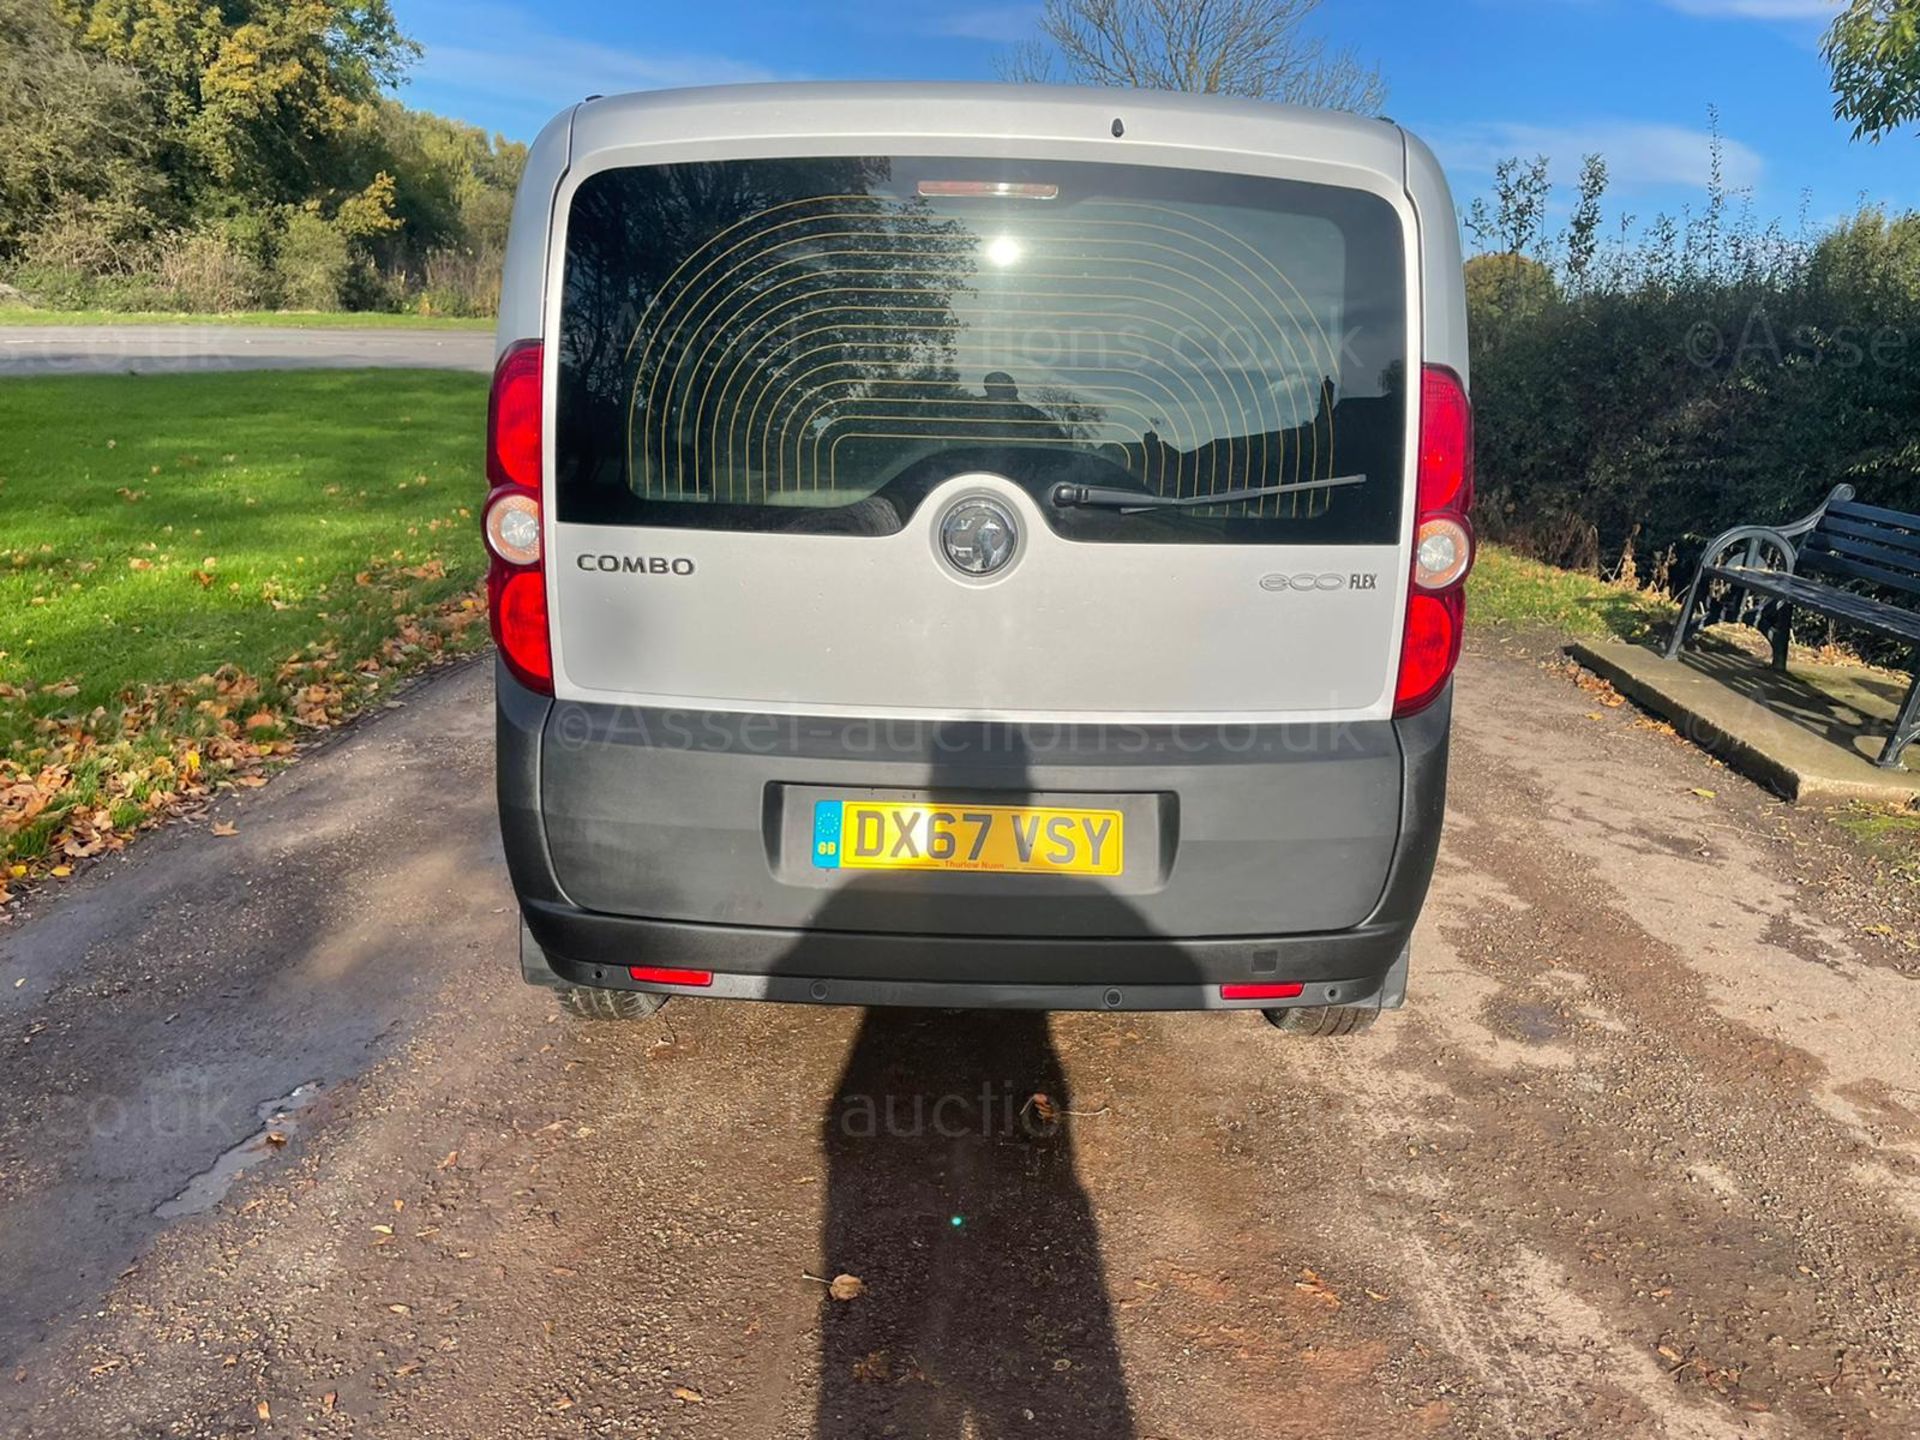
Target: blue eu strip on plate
(826, 834)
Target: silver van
(970, 545)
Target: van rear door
(774, 379)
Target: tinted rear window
(814, 344)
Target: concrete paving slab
(1811, 733)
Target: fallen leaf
(275, 1138)
(692, 1397)
(1705, 794)
(453, 1158)
(329, 1400)
(263, 1410)
(1311, 1284)
(847, 1287)
(383, 1230)
(61, 872)
(224, 828)
(401, 1309)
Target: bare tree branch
(1253, 48)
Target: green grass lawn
(159, 528)
(1508, 589)
(295, 319)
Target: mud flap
(534, 968)
(1393, 987)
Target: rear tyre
(591, 1003)
(1323, 1020)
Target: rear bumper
(754, 968)
(852, 968)
(1072, 947)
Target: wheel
(591, 1003)
(1323, 1020)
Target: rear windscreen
(814, 344)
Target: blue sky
(1479, 78)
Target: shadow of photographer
(952, 1190)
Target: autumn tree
(253, 97)
(76, 138)
(1255, 48)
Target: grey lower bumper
(1074, 947)
(1387, 990)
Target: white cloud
(999, 24)
(1637, 153)
(1757, 9)
(504, 53)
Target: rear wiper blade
(1133, 502)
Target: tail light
(516, 576)
(1442, 542)
(514, 412)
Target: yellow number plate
(899, 835)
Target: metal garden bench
(1755, 574)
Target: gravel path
(1638, 1160)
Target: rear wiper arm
(1132, 502)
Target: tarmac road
(1638, 1160)
(163, 349)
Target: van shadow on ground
(952, 1194)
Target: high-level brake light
(993, 189)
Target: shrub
(311, 262)
(206, 271)
(461, 282)
(1700, 374)
(58, 287)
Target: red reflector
(665, 975)
(514, 418)
(1262, 992)
(1430, 649)
(1446, 443)
(517, 608)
